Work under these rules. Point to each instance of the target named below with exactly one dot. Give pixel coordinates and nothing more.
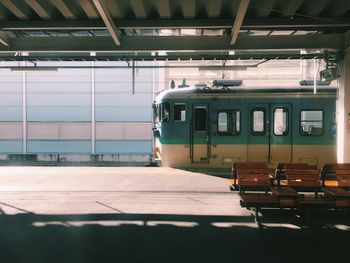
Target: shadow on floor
(28, 237)
(217, 172)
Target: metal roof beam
(242, 9)
(38, 9)
(347, 41)
(188, 8)
(14, 9)
(149, 57)
(214, 8)
(89, 9)
(163, 8)
(264, 7)
(338, 8)
(108, 20)
(114, 9)
(315, 8)
(198, 43)
(4, 39)
(248, 24)
(63, 8)
(138, 8)
(291, 7)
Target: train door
(258, 133)
(269, 138)
(200, 139)
(280, 133)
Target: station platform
(134, 214)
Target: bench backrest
(281, 168)
(302, 174)
(254, 175)
(339, 171)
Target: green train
(215, 127)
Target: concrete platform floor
(119, 214)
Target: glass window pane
(237, 121)
(179, 112)
(280, 124)
(258, 121)
(157, 113)
(222, 122)
(165, 112)
(200, 117)
(311, 122)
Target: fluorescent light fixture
(222, 67)
(33, 68)
(310, 82)
(162, 53)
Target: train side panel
(308, 135)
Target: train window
(311, 122)
(164, 110)
(179, 112)
(223, 122)
(200, 117)
(280, 121)
(229, 122)
(258, 121)
(237, 120)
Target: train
(215, 127)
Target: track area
(117, 214)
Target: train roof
(200, 92)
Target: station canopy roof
(171, 29)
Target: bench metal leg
(256, 218)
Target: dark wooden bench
(297, 176)
(340, 196)
(257, 201)
(287, 196)
(336, 175)
(252, 176)
(302, 177)
(280, 173)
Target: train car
(215, 127)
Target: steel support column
(343, 105)
(24, 109)
(93, 110)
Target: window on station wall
(179, 112)
(164, 112)
(258, 121)
(280, 122)
(229, 122)
(311, 122)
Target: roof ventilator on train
(225, 83)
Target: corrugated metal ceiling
(133, 29)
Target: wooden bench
(340, 196)
(297, 176)
(302, 177)
(336, 175)
(256, 201)
(287, 196)
(280, 173)
(252, 176)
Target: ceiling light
(33, 68)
